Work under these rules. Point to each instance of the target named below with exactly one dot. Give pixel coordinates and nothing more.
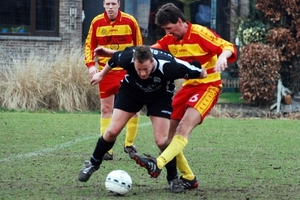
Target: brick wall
(12, 46)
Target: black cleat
(176, 186)
(149, 163)
(87, 171)
(189, 185)
(108, 156)
(131, 150)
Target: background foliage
(283, 33)
(259, 72)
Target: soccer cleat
(131, 150)
(108, 156)
(176, 186)
(189, 185)
(87, 171)
(149, 163)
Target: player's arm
(112, 62)
(90, 45)
(221, 63)
(156, 46)
(103, 51)
(181, 69)
(99, 75)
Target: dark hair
(168, 13)
(142, 53)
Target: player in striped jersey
(115, 30)
(197, 97)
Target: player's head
(111, 8)
(143, 61)
(172, 20)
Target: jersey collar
(188, 32)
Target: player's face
(144, 69)
(177, 30)
(111, 8)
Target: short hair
(142, 53)
(118, 1)
(168, 13)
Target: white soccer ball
(118, 182)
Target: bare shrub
(58, 81)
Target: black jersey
(166, 69)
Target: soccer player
(197, 97)
(115, 30)
(149, 81)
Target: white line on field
(57, 147)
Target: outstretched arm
(99, 75)
(103, 51)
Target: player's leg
(188, 178)
(160, 130)
(105, 118)
(131, 132)
(189, 121)
(108, 88)
(105, 142)
(203, 101)
(132, 124)
(159, 112)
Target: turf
(42, 154)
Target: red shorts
(111, 83)
(201, 97)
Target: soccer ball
(118, 182)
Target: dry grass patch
(58, 81)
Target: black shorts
(157, 103)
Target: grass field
(42, 154)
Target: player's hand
(102, 51)
(221, 65)
(92, 70)
(96, 78)
(203, 73)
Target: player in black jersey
(149, 81)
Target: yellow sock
(131, 131)
(104, 123)
(184, 167)
(175, 147)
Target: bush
(259, 73)
(250, 31)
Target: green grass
(42, 154)
(230, 97)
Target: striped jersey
(199, 43)
(123, 32)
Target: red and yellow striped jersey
(123, 32)
(199, 43)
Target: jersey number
(194, 98)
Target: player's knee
(162, 143)
(105, 110)
(112, 133)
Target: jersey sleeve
(121, 58)
(114, 61)
(90, 45)
(181, 69)
(137, 35)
